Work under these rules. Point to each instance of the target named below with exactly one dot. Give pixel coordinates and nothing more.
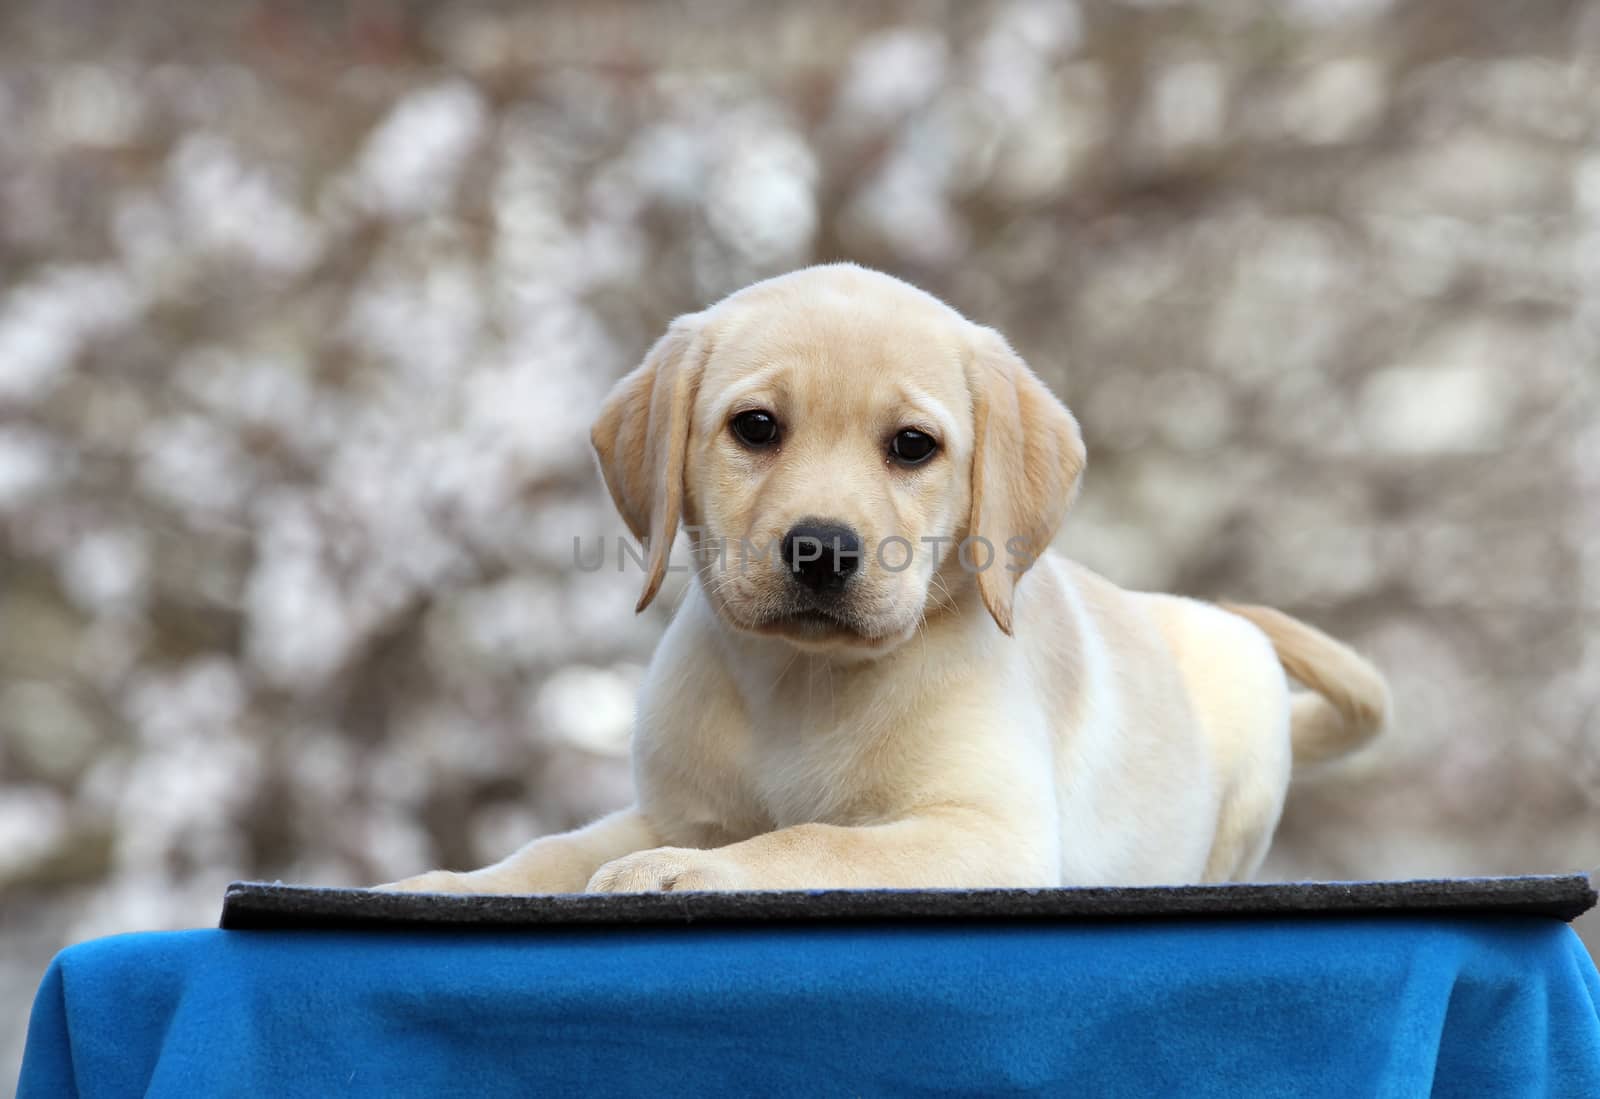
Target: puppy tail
(1350, 705)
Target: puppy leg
(1244, 832)
(946, 848)
(551, 864)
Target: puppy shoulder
(688, 679)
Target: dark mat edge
(276, 906)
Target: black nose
(821, 556)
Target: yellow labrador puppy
(882, 677)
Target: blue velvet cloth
(1318, 1006)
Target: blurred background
(305, 310)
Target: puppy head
(848, 453)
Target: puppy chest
(815, 776)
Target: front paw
(434, 881)
(669, 870)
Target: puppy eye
(911, 447)
(755, 428)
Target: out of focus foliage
(305, 310)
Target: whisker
(786, 667)
(947, 601)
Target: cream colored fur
(998, 727)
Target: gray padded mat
(263, 906)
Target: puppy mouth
(807, 620)
(816, 624)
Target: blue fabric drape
(1399, 1006)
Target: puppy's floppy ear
(642, 436)
(1027, 459)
